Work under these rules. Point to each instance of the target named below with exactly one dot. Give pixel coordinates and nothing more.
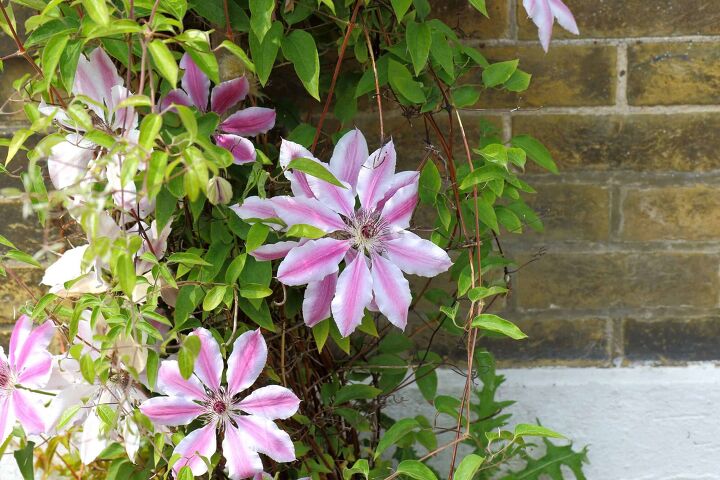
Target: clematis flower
(247, 122)
(72, 161)
(28, 365)
(118, 393)
(372, 239)
(221, 407)
(543, 13)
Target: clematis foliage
(247, 261)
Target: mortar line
(512, 18)
(622, 77)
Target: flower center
(219, 407)
(6, 378)
(367, 229)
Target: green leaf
(427, 381)
(528, 430)
(314, 169)
(24, 458)
(149, 129)
(264, 52)
(87, 368)
(51, 55)
(302, 230)
(164, 60)
(189, 351)
(23, 257)
(442, 52)
(256, 236)
(239, 53)
(483, 174)
(67, 415)
(187, 258)
(98, 11)
(16, 142)
(187, 117)
(402, 82)
(360, 467)
(214, 297)
(400, 7)
(465, 96)
(468, 467)
(536, 151)
(493, 323)
(481, 7)
(394, 434)
(235, 269)
(126, 273)
(478, 293)
(418, 38)
(254, 290)
(260, 17)
(519, 81)
(430, 183)
(499, 73)
(320, 333)
(416, 469)
(355, 391)
(299, 47)
(151, 367)
(185, 474)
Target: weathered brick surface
(26, 233)
(579, 341)
(674, 74)
(13, 69)
(568, 75)
(672, 340)
(618, 280)
(12, 296)
(641, 142)
(468, 22)
(634, 18)
(671, 213)
(570, 212)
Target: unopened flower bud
(219, 191)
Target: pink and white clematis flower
(247, 122)
(544, 12)
(372, 238)
(28, 365)
(221, 407)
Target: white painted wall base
(641, 423)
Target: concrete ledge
(641, 423)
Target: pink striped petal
(170, 382)
(348, 157)
(376, 176)
(318, 296)
(391, 289)
(7, 417)
(242, 461)
(226, 95)
(564, 16)
(26, 342)
(195, 82)
(197, 444)
(255, 207)
(209, 362)
(298, 180)
(266, 437)
(242, 149)
(95, 77)
(400, 180)
(274, 251)
(340, 200)
(300, 210)
(29, 411)
(36, 370)
(271, 402)
(543, 18)
(176, 97)
(313, 261)
(68, 161)
(246, 361)
(353, 294)
(417, 256)
(171, 411)
(250, 121)
(124, 119)
(399, 209)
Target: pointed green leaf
(499, 73)
(299, 47)
(418, 39)
(314, 169)
(493, 323)
(164, 60)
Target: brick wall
(630, 110)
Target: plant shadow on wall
(222, 292)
